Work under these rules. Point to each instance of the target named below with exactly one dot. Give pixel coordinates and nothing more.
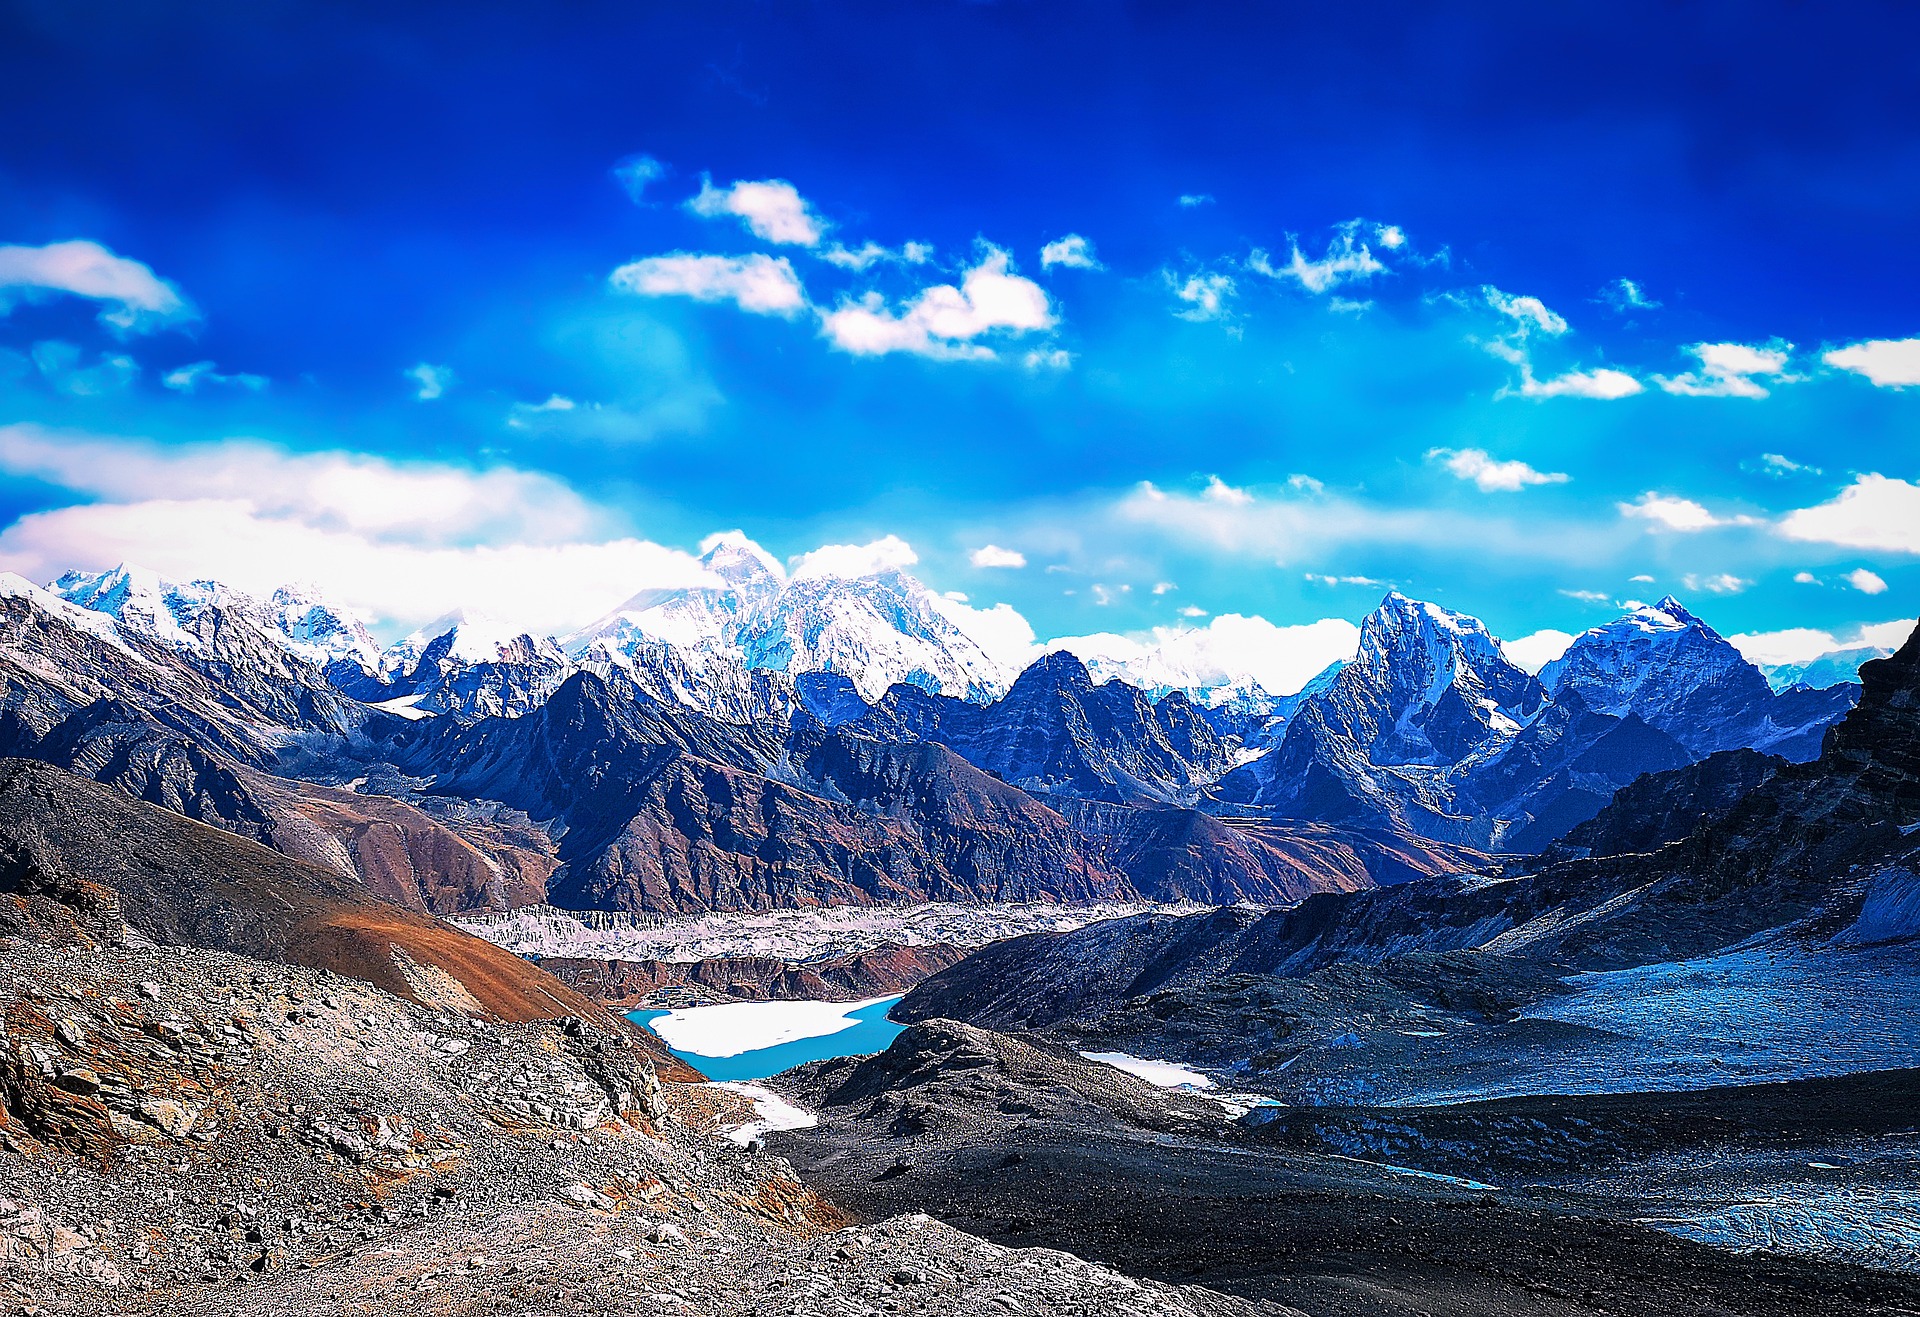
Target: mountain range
(776, 739)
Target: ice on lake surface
(743, 1041)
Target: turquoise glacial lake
(870, 1032)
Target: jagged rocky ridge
(601, 789)
(1820, 853)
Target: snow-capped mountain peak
(320, 631)
(145, 604)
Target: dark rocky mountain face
(1432, 731)
(1824, 853)
(1057, 733)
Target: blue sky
(1123, 316)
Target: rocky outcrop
(178, 882)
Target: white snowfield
(1161, 1074)
(771, 1112)
(752, 1026)
(794, 935)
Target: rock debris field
(186, 1131)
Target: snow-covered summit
(851, 610)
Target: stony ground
(186, 1131)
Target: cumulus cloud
(1482, 469)
(1730, 370)
(852, 561)
(944, 321)
(764, 285)
(1534, 652)
(1001, 632)
(992, 555)
(636, 173)
(1073, 251)
(1204, 296)
(1874, 512)
(1602, 383)
(772, 209)
(1890, 363)
(430, 381)
(1669, 512)
(403, 542)
(1805, 644)
(1866, 582)
(189, 378)
(138, 300)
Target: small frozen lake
(743, 1041)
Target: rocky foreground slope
(189, 1131)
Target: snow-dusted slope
(1681, 676)
(870, 622)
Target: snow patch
(753, 1026)
(1161, 1074)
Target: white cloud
(1048, 359)
(852, 561)
(1534, 652)
(1164, 587)
(431, 381)
(404, 542)
(1805, 578)
(1190, 200)
(1891, 363)
(1780, 465)
(59, 364)
(869, 254)
(1722, 583)
(1874, 512)
(764, 285)
(1205, 295)
(1072, 251)
(1730, 370)
(1345, 260)
(942, 321)
(1282, 659)
(1476, 465)
(1529, 314)
(1602, 383)
(1625, 295)
(139, 300)
(1366, 582)
(1668, 512)
(1866, 582)
(992, 555)
(1219, 491)
(772, 209)
(1587, 596)
(188, 378)
(1805, 644)
(634, 174)
(1000, 631)
(1193, 610)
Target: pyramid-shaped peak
(739, 561)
